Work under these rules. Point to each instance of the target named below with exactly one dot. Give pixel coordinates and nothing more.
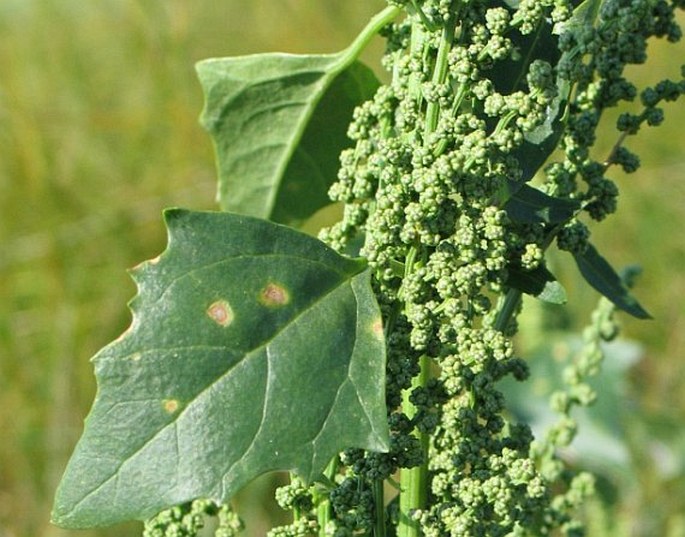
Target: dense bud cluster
(421, 188)
(188, 520)
(602, 51)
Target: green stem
(417, 44)
(374, 26)
(507, 310)
(439, 75)
(296, 511)
(414, 481)
(322, 501)
(422, 16)
(379, 503)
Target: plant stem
(379, 503)
(414, 481)
(507, 310)
(321, 500)
(439, 75)
(376, 23)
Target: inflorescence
(421, 189)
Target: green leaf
(279, 123)
(253, 348)
(585, 15)
(539, 283)
(600, 275)
(509, 75)
(530, 205)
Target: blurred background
(98, 133)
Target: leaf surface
(600, 275)
(279, 123)
(529, 205)
(253, 348)
(539, 282)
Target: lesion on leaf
(221, 313)
(377, 328)
(274, 295)
(171, 405)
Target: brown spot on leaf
(221, 313)
(274, 295)
(170, 405)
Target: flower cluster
(188, 519)
(594, 61)
(476, 90)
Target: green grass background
(98, 133)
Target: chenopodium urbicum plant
(366, 362)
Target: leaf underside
(253, 348)
(279, 123)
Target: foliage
(436, 189)
(227, 320)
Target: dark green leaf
(539, 283)
(253, 348)
(532, 154)
(600, 275)
(279, 123)
(530, 205)
(509, 75)
(505, 192)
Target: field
(98, 133)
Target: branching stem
(439, 76)
(414, 481)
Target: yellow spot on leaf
(170, 405)
(274, 295)
(377, 328)
(221, 313)
(154, 261)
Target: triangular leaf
(600, 275)
(279, 123)
(253, 348)
(530, 205)
(538, 282)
